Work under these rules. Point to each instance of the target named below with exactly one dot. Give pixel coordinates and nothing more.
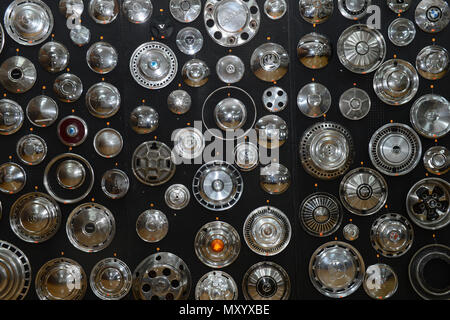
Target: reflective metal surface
(115, 184)
(355, 104)
(103, 11)
(326, 150)
(177, 196)
(275, 99)
(320, 214)
(42, 111)
(152, 225)
(185, 10)
(70, 174)
(216, 285)
(35, 217)
(53, 56)
(314, 100)
(354, 9)
(433, 62)
(391, 235)
(267, 231)
(102, 57)
(15, 271)
(274, 178)
(28, 22)
(161, 276)
(380, 281)
(195, 73)
(272, 131)
(217, 244)
(437, 160)
(17, 74)
(108, 143)
(153, 65)
(31, 149)
(68, 87)
(269, 62)
(179, 102)
(314, 50)
(217, 185)
(230, 114)
(2, 37)
(80, 35)
(152, 163)
(103, 100)
(395, 149)
(11, 117)
(363, 191)
(71, 7)
(401, 32)
(430, 116)
(110, 279)
(90, 227)
(137, 11)
(231, 23)
(432, 15)
(230, 69)
(189, 40)
(316, 12)
(336, 269)
(189, 143)
(399, 6)
(144, 119)
(12, 178)
(266, 281)
(361, 49)
(246, 156)
(427, 203)
(350, 232)
(61, 279)
(275, 9)
(72, 131)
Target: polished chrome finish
(246, 156)
(354, 104)
(363, 191)
(231, 23)
(2, 37)
(430, 258)
(380, 281)
(430, 116)
(275, 99)
(350, 232)
(108, 143)
(137, 11)
(217, 244)
(111, 279)
(144, 119)
(15, 271)
(354, 9)
(185, 11)
(216, 285)
(432, 15)
(267, 231)
(189, 40)
(61, 279)
(152, 163)
(177, 196)
(427, 203)
(314, 50)
(361, 49)
(11, 117)
(71, 8)
(396, 82)
(266, 281)
(320, 214)
(316, 12)
(179, 102)
(103, 100)
(153, 65)
(395, 149)
(275, 9)
(102, 57)
(152, 225)
(12, 178)
(28, 22)
(53, 56)
(90, 227)
(437, 160)
(68, 174)
(401, 32)
(161, 276)
(336, 269)
(314, 100)
(17, 74)
(274, 178)
(103, 11)
(217, 185)
(31, 149)
(115, 184)
(433, 62)
(188, 142)
(326, 150)
(399, 6)
(35, 217)
(80, 35)
(230, 69)
(391, 235)
(195, 73)
(230, 114)
(72, 131)
(68, 87)
(42, 111)
(269, 62)
(272, 131)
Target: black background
(127, 246)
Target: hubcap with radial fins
(15, 272)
